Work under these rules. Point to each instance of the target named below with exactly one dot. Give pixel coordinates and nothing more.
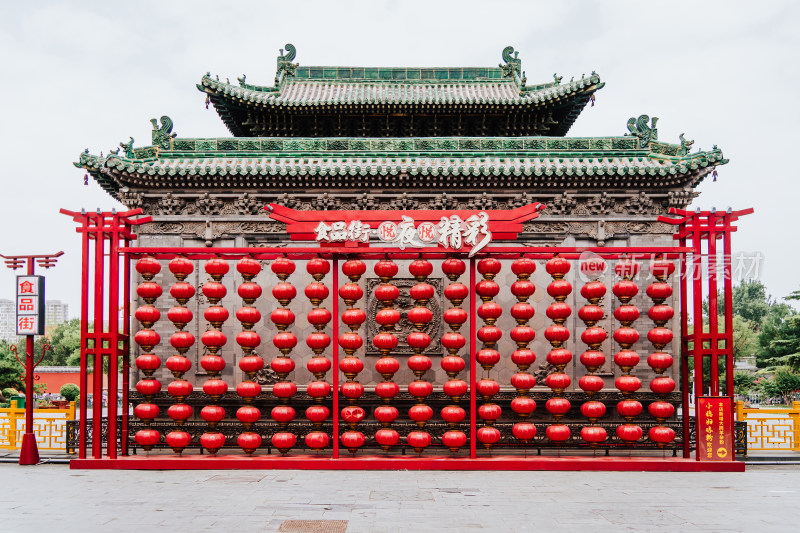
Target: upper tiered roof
(399, 102)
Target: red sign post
(30, 322)
(714, 428)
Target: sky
(79, 75)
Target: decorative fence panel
(771, 429)
(49, 426)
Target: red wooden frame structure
(108, 344)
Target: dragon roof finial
(513, 65)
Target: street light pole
(29, 452)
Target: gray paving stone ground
(48, 498)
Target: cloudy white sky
(89, 74)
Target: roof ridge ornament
(513, 63)
(686, 146)
(285, 66)
(128, 147)
(162, 137)
(638, 127)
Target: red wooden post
(473, 430)
(684, 354)
(335, 312)
(97, 396)
(713, 325)
(728, 303)
(84, 379)
(126, 345)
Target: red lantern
(318, 341)
(456, 388)
(454, 440)
(249, 292)
(594, 336)
(489, 335)
(385, 269)
(420, 269)
(456, 292)
(215, 388)
(593, 410)
(212, 442)
(317, 413)
(214, 291)
(556, 334)
(523, 405)
(248, 316)
(180, 268)
(625, 290)
(662, 385)
(523, 358)
(558, 312)
(523, 267)
(593, 359)
(319, 365)
(285, 341)
(283, 267)
(284, 389)
(250, 364)
(282, 414)
(418, 440)
(317, 440)
(488, 267)
(316, 292)
(420, 414)
(282, 366)
(522, 335)
(178, 365)
(387, 438)
(284, 441)
(558, 381)
(318, 389)
(453, 268)
(318, 267)
(591, 314)
(559, 357)
(387, 365)
(626, 359)
(629, 409)
(594, 435)
(523, 289)
(352, 317)
(487, 289)
(248, 390)
(662, 269)
(420, 389)
(660, 337)
(419, 363)
(626, 337)
(661, 435)
(350, 293)
(248, 442)
(523, 381)
(660, 314)
(489, 411)
(216, 315)
(455, 315)
(180, 316)
(147, 438)
(627, 268)
(248, 339)
(453, 414)
(148, 267)
(178, 389)
(630, 433)
(490, 311)
(523, 431)
(148, 315)
(353, 414)
(146, 411)
(558, 407)
(593, 291)
(216, 268)
(387, 317)
(354, 269)
(558, 433)
(148, 387)
(284, 292)
(628, 384)
(453, 341)
(659, 361)
(213, 339)
(179, 411)
(557, 267)
(386, 292)
(321, 316)
(487, 387)
(488, 436)
(387, 389)
(213, 364)
(178, 440)
(453, 364)
(148, 363)
(661, 410)
(147, 339)
(659, 292)
(559, 289)
(352, 390)
(488, 357)
(248, 268)
(386, 414)
(212, 414)
(626, 314)
(350, 342)
(385, 342)
(591, 384)
(522, 312)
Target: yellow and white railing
(771, 429)
(49, 426)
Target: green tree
(65, 344)
(743, 382)
(783, 383)
(10, 369)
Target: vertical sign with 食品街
(714, 428)
(30, 305)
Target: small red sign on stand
(715, 428)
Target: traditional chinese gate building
(402, 268)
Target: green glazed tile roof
(300, 92)
(455, 162)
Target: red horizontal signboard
(714, 428)
(458, 230)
